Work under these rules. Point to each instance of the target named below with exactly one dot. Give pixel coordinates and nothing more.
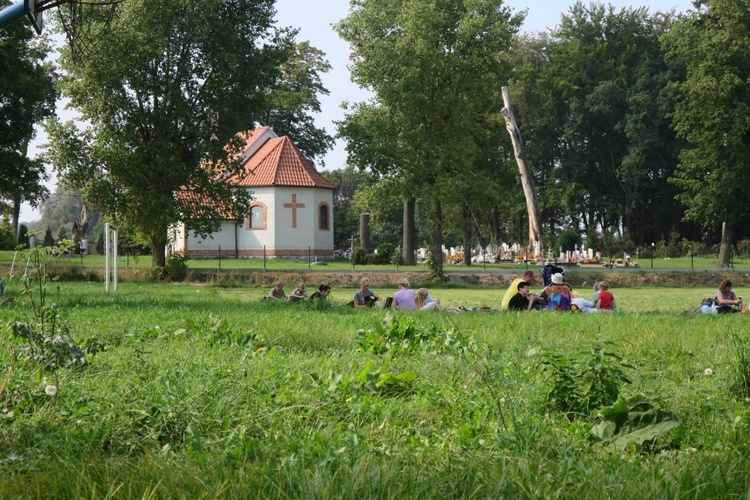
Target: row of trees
(629, 118)
(27, 96)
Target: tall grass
(210, 392)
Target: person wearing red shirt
(605, 300)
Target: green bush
(568, 239)
(359, 256)
(384, 254)
(176, 268)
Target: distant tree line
(636, 124)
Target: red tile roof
(278, 162)
(197, 205)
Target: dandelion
(261, 349)
(50, 390)
(349, 400)
(708, 372)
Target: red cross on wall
(294, 206)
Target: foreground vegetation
(203, 391)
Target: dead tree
(527, 180)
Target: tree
(164, 95)
(293, 98)
(348, 182)
(63, 207)
(49, 240)
(593, 101)
(27, 96)
(23, 236)
(434, 67)
(713, 114)
(7, 238)
(62, 235)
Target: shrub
(359, 256)
(584, 382)
(384, 253)
(176, 268)
(568, 240)
(406, 336)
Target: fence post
(106, 257)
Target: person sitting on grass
(299, 293)
(605, 301)
(423, 301)
(404, 297)
(323, 292)
(556, 296)
(364, 297)
(726, 300)
(277, 292)
(520, 301)
(512, 291)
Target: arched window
(323, 217)
(257, 218)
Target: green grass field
(202, 391)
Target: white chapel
(291, 214)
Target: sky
(314, 21)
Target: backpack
(558, 298)
(547, 272)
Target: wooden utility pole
(527, 180)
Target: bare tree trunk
(527, 180)
(725, 251)
(407, 245)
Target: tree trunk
(527, 180)
(364, 232)
(467, 234)
(437, 240)
(16, 209)
(725, 251)
(407, 245)
(158, 251)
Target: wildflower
(349, 399)
(708, 372)
(50, 390)
(261, 349)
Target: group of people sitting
(558, 295)
(299, 293)
(404, 298)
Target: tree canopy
(163, 96)
(27, 96)
(713, 114)
(434, 68)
